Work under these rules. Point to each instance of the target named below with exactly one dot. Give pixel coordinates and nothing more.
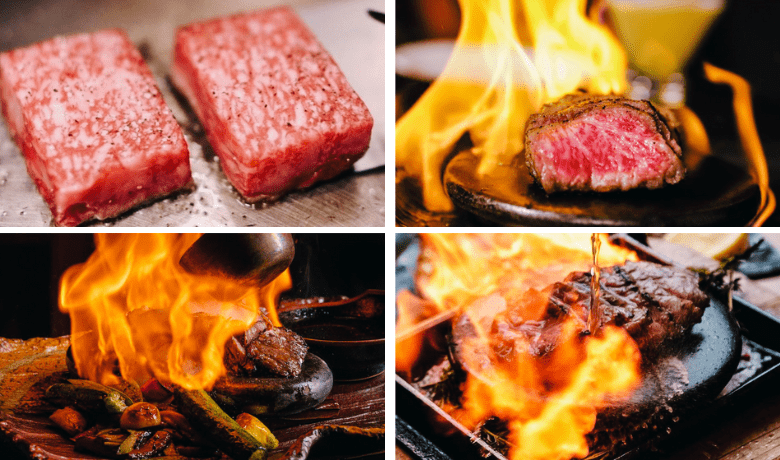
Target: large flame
(748, 135)
(549, 404)
(132, 306)
(457, 268)
(510, 58)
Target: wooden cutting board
(28, 367)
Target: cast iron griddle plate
(714, 193)
(709, 354)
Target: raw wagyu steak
(95, 132)
(602, 144)
(275, 106)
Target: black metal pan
(349, 334)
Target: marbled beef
(264, 348)
(95, 132)
(602, 144)
(275, 106)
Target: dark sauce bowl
(349, 334)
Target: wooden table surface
(748, 432)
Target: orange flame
(549, 404)
(748, 135)
(132, 303)
(551, 424)
(510, 58)
(456, 269)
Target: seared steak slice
(264, 349)
(652, 302)
(602, 144)
(279, 350)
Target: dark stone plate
(713, 193)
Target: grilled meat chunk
(653, 303)
(280, 350)
(602, 144)
(264, 349)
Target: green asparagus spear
(228, 436)
(89, 396)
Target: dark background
(325, 265)
(745, 39)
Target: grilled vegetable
(225, 432)
(153, 390)
(89, 396)
(102, 442)
(173, 419)
(140, 416)
(94, 445)
(132, 439)
(257, 429)
(130, 388)
(154, 445)
(70, 420)
(112, 436)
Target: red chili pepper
(153, 390)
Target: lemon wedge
(718, 246)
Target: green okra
(225, 432)
(88, 395)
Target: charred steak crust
(264, 349)
(608, 157)
(652, 302)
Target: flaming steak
(653, 303)
(602, 144)
(264, 349)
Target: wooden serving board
(28, 367)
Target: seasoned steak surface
(95, 132)
(602, 144)
(275, 106)
(264, 348)
(653, 303)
